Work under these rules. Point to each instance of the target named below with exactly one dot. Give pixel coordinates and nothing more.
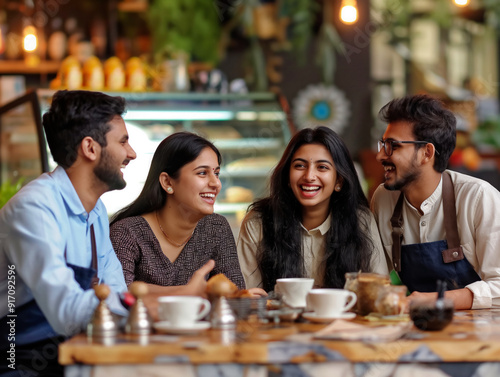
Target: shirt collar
(323, 228)
(429, 203)
(70, 196)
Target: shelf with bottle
(133, 6)
(23, 68)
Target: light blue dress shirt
(44, 221)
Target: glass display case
(251, 131)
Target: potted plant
(9, 189)
(183, 31)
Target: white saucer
(166, 327)
(311, 316)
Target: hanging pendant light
(30, 38)
(30, 44)
(461, 3)
(349, 11)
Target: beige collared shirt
(313, 246)
(477, 204)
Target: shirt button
(423, 223)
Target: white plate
(311, 316)
(166, 327)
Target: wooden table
(473, 337)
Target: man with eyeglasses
(435, 224)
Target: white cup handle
(308, 303)
(205, 309)
(351, 303)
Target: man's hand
(462, 298)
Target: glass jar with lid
(369, 286)
(351, 281)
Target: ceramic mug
(182, 310)
(330, 301)
(294, 290)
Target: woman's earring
(337, 188)
(170, 190)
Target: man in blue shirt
(54, 234)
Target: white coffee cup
(182, 310)
(294, 290)
(330, 301)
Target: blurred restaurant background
(247, 74)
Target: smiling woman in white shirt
(316, 221)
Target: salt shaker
(139, 321)
(222, 316)
(102, 326)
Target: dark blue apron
(31, 324)
(420, 266)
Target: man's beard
(109, 174)
(408, 178)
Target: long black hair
(348, 246)
(172, 154)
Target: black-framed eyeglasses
(388, 145)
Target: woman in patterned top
(170, 231)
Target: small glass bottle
(391, 300)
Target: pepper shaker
(222, 316)
(102, 326)
(139, 320)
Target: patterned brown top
(142, 259)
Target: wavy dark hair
(348, 246)
(172, 154)
(74, 115)
(430, 121)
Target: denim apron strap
(454, 251)
(93, 263)
(397, 233)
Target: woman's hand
(257, 292)
(197, 285)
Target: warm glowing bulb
(30, 42)
(349, 14)
(462, 3)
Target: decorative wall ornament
(321, 105)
